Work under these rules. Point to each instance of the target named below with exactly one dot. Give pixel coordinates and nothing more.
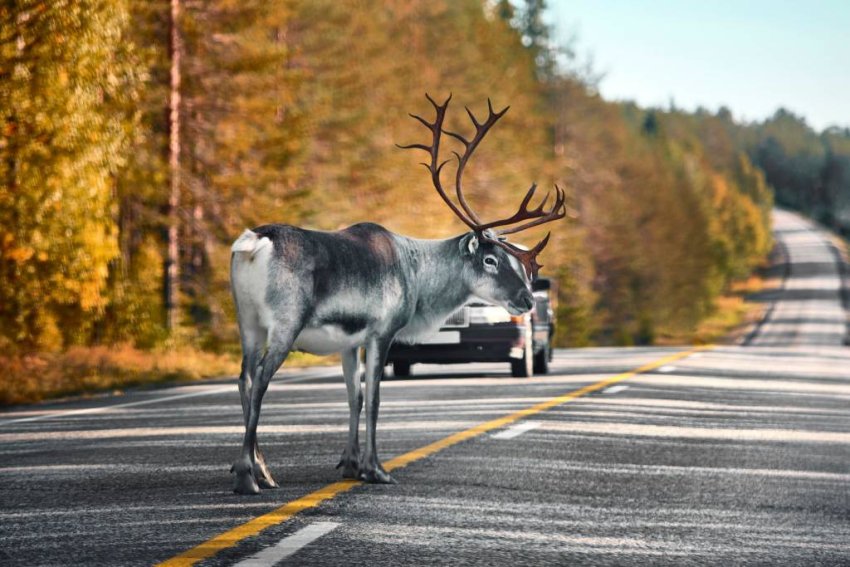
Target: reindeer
(364, 287)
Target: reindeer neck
(437, 276)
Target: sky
(752, 56)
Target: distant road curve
(808, 309)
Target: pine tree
(236, 132)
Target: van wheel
(401, 369)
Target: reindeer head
(496, 270)
(493, 274)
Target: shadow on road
(796, 295)
(388, 377)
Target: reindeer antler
(436, 128)
(536, 216)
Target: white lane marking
(837, 389)
(288, 545)
(98, 409)
(679, 406)
(235, 430)
(516, 430)
(292, 384)
(622, 429)
(205, 392)
(614, 389)
(667, 368)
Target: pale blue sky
(750, 55)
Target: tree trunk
(172, 259)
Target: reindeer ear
(469, 244)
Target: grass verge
(731, 318)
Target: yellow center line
(253, 527)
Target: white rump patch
(250, 242)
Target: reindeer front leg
(376, 355)
(350, 461)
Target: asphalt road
(807, 309)
(734, 455)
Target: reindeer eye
(490, 261)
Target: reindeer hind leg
(251, 348)
(248, 468)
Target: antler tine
(463, 140)
(440, 167)
(535, 267)
(438, 106)
(415, 147)
(472, 117)
(540, 245)
(528, 195)
(424, 122)
(440, 109)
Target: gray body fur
(361, 287)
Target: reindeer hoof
(263, 476)
(377, 476)
(244, 482)
(350, 467)
(267, 482)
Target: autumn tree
(238, 144)
(289, 111)
(67, 77)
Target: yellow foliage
(21, 254)
(63, 143)
(298, 126)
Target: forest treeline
(809, 171)
(140, 138)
